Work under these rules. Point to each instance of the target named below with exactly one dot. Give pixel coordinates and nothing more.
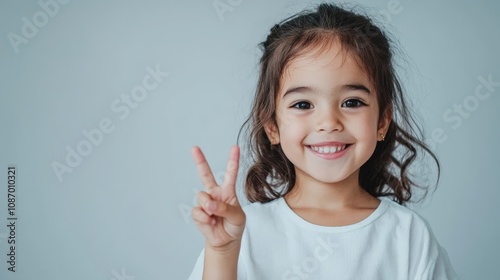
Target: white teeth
(328, 149)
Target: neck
(310, 193)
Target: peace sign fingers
(219, 215)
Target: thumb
(234, 214)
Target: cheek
(292, 130)
(368, 126)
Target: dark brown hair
(271, 175)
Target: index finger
(207, 178)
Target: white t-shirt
(393, 243)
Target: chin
(330, 179)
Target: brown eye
(353, 103)
(303, 105)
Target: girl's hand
(218, 214)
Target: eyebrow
(306, 89)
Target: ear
(272, 133)
(384, 122)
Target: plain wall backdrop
(101, 102)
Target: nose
(329, 120)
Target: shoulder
(408, 227)
(408, 217)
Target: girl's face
(328, 116)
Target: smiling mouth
(329, 149)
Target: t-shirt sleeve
(197, 272)
(440, 267)
(435, 261)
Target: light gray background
(123, 211)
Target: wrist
(228, 249)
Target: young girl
(332, 143)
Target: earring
(383, 137)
